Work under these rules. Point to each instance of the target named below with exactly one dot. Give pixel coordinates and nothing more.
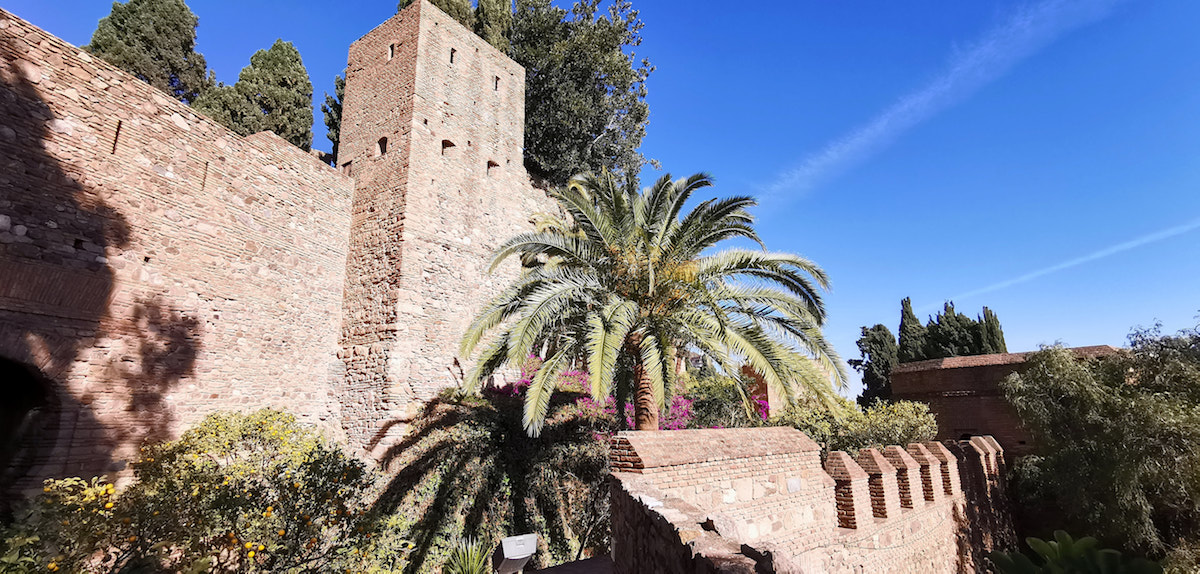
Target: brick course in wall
(965, 395)
(154, 266)
(689, 501)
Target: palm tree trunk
(645, 408)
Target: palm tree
(624, 283)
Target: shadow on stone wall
(56, 285)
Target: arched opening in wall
(28, 423)
(391, 51)
(381, 147)
(492, 168)
(447, 147)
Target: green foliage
(1065, 555)
(470, 556)
(879, 355)
(585, 92)
(1117, 441)
(912, 335)
(720, 402)
(332, 109)
(236, 493)
(851, 429)
(467, 469)
(493, 19)
(623, 284)
(947, 334)
(272, 93)
(154, 40)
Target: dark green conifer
(912, 335)
(272, 93)
(332, 108)
(155, 41)
(878, 349)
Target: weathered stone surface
(828, 523)
(156, 267)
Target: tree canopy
(155, 41)
(272, 93)
(585, 94)
(948, 334)
(878, 349)
(622, 285)
(1116, 441)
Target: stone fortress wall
(760, 500)
(156, 267)
(432, 133)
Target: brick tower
(432, 133)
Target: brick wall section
(852, 493)
(908, 476)
(431, 210)
(155, 266)
(965, 395)
(884, 488)
(665, 517)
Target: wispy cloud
(1094, 256)
(1022, 34)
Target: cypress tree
(993, 335)
(272, 93)
(155, 41)
(878, 349)
(951, 334)
(332, 108)
(493, 18)
(912, 335)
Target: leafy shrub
(236, 493)
(1065, 555)
(723, 402)
(881, 424)
(1117, 443)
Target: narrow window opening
(447, 145)
(116, 137)
(204, 178)
(452, 53)
(391, 51)
(496, 83)
(491, 165)
(380, 147)
(426, 121)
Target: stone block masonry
(154, 266)
(760, 501)
(432, 134)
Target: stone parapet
(776, 508)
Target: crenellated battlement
(683, 499)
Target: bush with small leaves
(236, 493)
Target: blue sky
(1041, 158)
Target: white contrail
(1101, 254)
(1021, 35)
